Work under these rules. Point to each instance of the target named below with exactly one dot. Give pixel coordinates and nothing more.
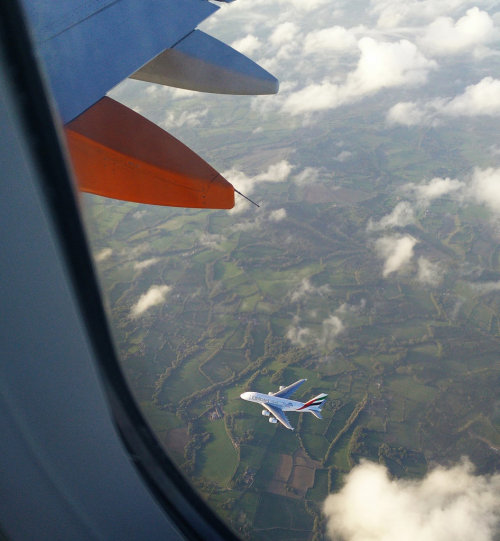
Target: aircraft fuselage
(276, 404)
(284, 404)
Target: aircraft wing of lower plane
(288, 391)
(282, 418)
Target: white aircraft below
(277, 403)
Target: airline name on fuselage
(290, 405)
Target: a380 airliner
(277, 403)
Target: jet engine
(281, 387)
(265, 413)
(273, 420)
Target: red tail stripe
(313, 402)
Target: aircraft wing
(152, 167)
(288, 391)
(282, 418)
(89, 46)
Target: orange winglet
(118, 153)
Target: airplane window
(370, 269)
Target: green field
(219, 458)
(254, 304)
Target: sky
(428, 63)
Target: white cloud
(485, 187)
(302, 6)
(481, 99)
(264, 105)
(153, 89)
(346, 309)
(384, 65)
(161, 92)
(298, 336)
(284, 33)
(335, 38)
(305, 288)
(407, 113)
(397, 252)
(212, 240)
(401, 216)
(180, 93)
(381, 65)
(429, 273)
(258, 219)
(278, 172)
(343, 156)
(447, 505)
(307, 176)
(484, 288)
(444, 36)
(185, 118)
(138, 214)
(154, 295)
(247, 45)
(435, 188)
(141, 265)
(393, 13)
(314, 97)
(331, 327)
(482, 187)
(104, 254)
(277, 215)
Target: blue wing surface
(288, 391)
(282, 418)
(88, 47)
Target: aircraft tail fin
(315, 404)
